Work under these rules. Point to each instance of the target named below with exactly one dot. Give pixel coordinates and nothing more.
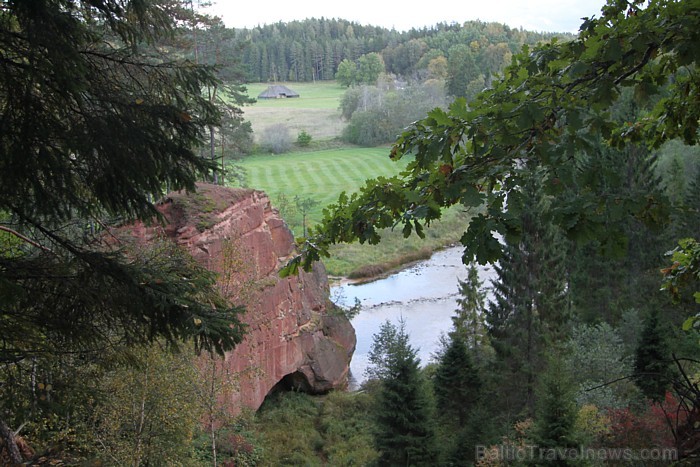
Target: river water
(424, 295)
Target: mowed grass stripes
(320, 175)
(323, 175)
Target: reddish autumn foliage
(653, 427)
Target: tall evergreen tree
(468, 320)
(598, 290)
(530, 305)
(405, 433)
(96, 124)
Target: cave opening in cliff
(296, 381)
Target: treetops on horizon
(313, 49)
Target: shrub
(276, 139)
(303, 138)
(369, 128)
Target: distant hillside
(312, 49)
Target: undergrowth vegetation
(298, 429)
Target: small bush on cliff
(348, 312)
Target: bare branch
(25, 239)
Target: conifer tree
(458, 395)
(676, 181)
(380, 353)
(468, 320)
(691, 217)
(598, 290)
(97, 123)
(554, 430)
(405, 433)
(652, 364)
(530, 303)
(456, 382)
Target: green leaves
(480, 242)
(684, 270)
(551, 110)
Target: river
(424, 295)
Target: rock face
(293, 337)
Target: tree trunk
(10, 444)
(212, 151)
(223, 142)
(212, 403)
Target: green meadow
(315, 111)
(321, 176)
(319, 95)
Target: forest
(574, 156)
(315, 49)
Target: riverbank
(386, 270)
(394, 252)
(423, 295)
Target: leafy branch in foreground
(552, 108)
(684, 273)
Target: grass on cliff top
(321, 176)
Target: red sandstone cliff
(291, 338)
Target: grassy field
(322, 176)
(319, 95)
(314, 111)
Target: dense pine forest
(313, 49)
(573, 160)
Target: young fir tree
(405, 433)
(652, 367)
(456, 383)
(530, 305)
(555, 416)
(379, 356)
(468, 320)
(457, 386)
